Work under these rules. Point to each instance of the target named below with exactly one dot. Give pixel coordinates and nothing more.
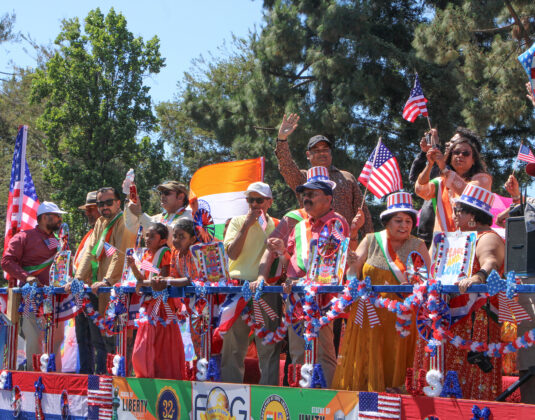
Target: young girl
(158, 349)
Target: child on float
(158, 349)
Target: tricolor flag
(381, 174)
(525, 154)
(262, 221)
(527, 61)
(22, 201)
(109, 249)
(416, 104)
(220, 188)
(147, 266)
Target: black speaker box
(519, 247)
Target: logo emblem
(168, 404)
(274, 408)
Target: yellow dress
(373, 359)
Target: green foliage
(7, 23)
(95, 106)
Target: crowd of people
(372, 357)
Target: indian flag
(220, 188)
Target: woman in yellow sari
(376, 357)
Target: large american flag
(379, 406)
(416, 104)
(381, 175)
(525, 154)
(22, 201)
(99, 397)
(528, 62)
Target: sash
(98, 249)
(394, 263)
(39, 268)
(299, 214)
(168, 219)
(303, 235)
(81, 248)
(158, 257)
(442, 206)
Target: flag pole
(516, 159)
(373, 167)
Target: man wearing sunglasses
(245, 243)
(100, 270)
(317, 198)
(173, 199)
(27, 259)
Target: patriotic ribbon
(39, 389)
(29, 294)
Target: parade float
(44, 394)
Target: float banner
(272, 403)
(147, 398)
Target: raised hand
(288, 126)
(357, 223)
(512, 187)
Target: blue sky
(186, 29)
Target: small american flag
(109, 249)
(416, 104)
(147, 266)
(379, 406)
(381, 175)
(262, 221)
(52, 243)
(99, 397)
(525, 154)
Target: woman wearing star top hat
(479, 379)
(376, 357)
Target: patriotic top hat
(477, 197)
(320, 173)
(398, 202)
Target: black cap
(315, 185)
(316, 139)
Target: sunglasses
(465, 153)
(106, 203)
(259, 200)
(165, 192)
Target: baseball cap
(261, 188)
(49, 207)
(316, 139)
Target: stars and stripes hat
(398, 202)
(49, 207)
(317, 179)
(478, 198)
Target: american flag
(527, 61)
(416, 104)
(109, 249)
(379, 406)
(525, 154)
(99, 397)
(381, 175)
(147, 266)
(52, 243)
(22, 200)
(262, 221)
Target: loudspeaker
(519, 247)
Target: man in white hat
(245, 242)
(28, 258)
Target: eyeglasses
(465, 153)
(106, 203)
(259, 200)
(165, 192)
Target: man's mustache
(308, 202)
